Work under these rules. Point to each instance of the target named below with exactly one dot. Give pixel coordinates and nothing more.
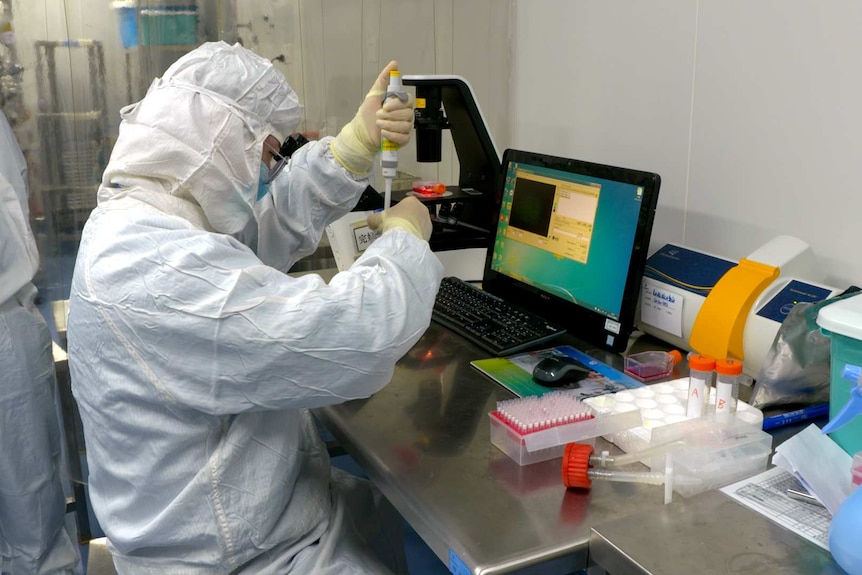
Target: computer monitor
(571, 242)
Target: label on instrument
(363, 236)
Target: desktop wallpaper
(597, 284)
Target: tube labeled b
(727, 385)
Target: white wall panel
(748, 110)
(408, 34)
(483, 26)
(444, 63)
(777, 129)
(275, 31)
(609, 82)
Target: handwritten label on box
(661, 308)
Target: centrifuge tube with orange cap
(578, 470)
(700, 367)
(727, 385)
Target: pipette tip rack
(533, 429)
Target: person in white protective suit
(195, 358)
(33, 536)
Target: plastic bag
(796, 369)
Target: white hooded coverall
(33, 538)
(194, 358)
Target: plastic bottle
(847, 522)
(727, 385)
(578, 470)
(700, 367)
(844, 534)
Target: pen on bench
(803, 496)
(804, 414)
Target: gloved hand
(358, 143)
(409, 214)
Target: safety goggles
(276, 164)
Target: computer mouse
(559, 371)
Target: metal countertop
(425, 440)
(706, 534)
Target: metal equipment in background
(155, 34)
(72, 126)
(11, 71)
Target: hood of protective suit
(198, 135)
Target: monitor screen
(571, 242)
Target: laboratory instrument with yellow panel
(697, 301)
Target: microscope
(463, 215)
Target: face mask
(263, 181)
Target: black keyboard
(488, 321)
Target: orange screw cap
(728, 366)
(576, 463)
(701, 362)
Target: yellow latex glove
(409, 214)
(358, 143)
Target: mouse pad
(515, 373)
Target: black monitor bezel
(585, 324)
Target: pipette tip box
(546, 438)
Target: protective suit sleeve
(312, 192)
(19, 256)
(211, 328)
(12, 164)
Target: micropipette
(389, 150)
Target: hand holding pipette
(358, 143)
(409, 214)
(389, 147)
